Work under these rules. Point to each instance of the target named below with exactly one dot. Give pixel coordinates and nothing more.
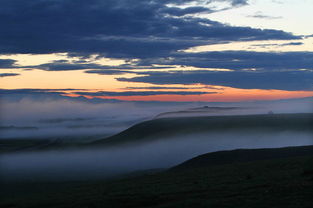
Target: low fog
(110, 162)
(46, 118)
(29, 118)
(41, 119)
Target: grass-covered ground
(277, 182)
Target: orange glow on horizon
(230, 95)
(78, 79)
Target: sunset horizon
(156, 103)
(201, 44)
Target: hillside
(158, 128)
(163, 128)
(284, 182)
(243, 155)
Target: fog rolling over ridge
(31, 117)
(42, 119)
(100, 163)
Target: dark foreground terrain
(268, 178)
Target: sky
(152, 50)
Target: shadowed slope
(279, 183)
(243, 155)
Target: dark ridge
(159, 128)
(208, 108)
(243, 155)
(204, 109)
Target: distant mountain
(164, 127)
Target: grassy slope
(244, 155)
(156, 129)
(283, 182)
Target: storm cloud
(117, 28)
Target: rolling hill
(285, 180)
(164, 127)
(243, 155)
(178, 127)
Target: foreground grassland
(278, 182)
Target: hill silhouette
(277, 182)
(163, 127)
(243, 155)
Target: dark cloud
(143, 93)
(164, 88)
(107, 72)
(239, 2)
(290, 80)
(8, 74)
(7, 63)
(181, 12)
(151, 31)
(281, 66)
(22, 91)
(32, 91)
(114, 28)
(54, 94)
(65, 65)
(173, 88)
(235, 60)
(292, 43)
(279, 44)
(39, 95)
(238, 60)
